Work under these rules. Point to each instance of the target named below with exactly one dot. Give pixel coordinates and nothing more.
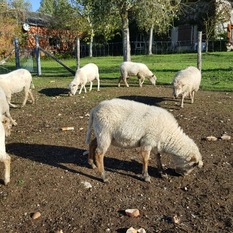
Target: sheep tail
(88, 136)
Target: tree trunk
(125, 35)
(91, 43)
(151, 40)
(199, 49)
(77, 53)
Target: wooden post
(77, 53)
(199, 50)
(38, 64)
(17, 64)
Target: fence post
(77, 53)
(199, 46)
(17, 64)
(38, 64)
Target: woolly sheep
(129, 124)
(15, 82)
(87, 73)
(4, 106)
(135, 69)
(4, 157)
(186, 82)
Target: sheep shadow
(58, 156)
(54, 91)
(149, 100)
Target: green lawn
(217, 69)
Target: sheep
(4, 157)
(87, 73)
(15, 82)
(186, 82)
(4, 106)
(130, 124)
(135, 69)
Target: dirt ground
(49, 169)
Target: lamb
(4, 157)
(4, 106)
(15, 82)
(186, 82)
(130, 124)
(135, 69)
(87, 73)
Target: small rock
(131, 230)
(211, 138)
(86, 184)
(141, 230)
(36, 215)
(225, 137)
(176, 219)
(86, 152)
(132, 212)
(59, 231)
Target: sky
(35, 4)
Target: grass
(217, 69)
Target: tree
(11, 15)
(104, 26)
(207, 15)
(216, 14)
(23, 5)
(47, 7)
(120, 10)
(156, 15)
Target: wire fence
(27, 57)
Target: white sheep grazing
(4, 106)
(136, 69)
(87, 73)
(130, 124)
(186, 82)
(15, 82)
(4, 157)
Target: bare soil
(49, 169)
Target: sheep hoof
(6, 181)
(106, 180)
(164, 175)
(147, 179)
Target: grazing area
(51, 176)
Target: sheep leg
(160, 166)
(182, 101)
(31, 96)
(7, 162)
(192, 97)
(25, 99)
(90, 86)
(125, 80)
(81, 88)
(145, 159)
(92, 148)
(9, 116)
(140, 79)
(99, 156)
(98, 84)
(9, 102)
(119, 81)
